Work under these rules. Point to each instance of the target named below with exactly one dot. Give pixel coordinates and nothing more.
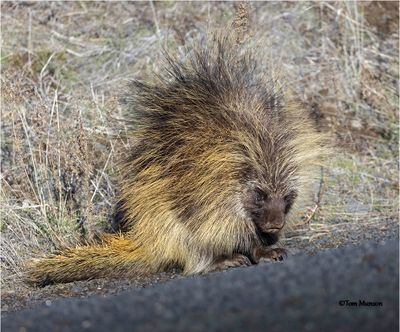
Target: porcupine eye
(289, 200)
(260, 196)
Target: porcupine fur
(220, 157)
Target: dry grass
(65, 63)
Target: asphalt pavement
(353, 288)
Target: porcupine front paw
(223, 263)
(264, 254)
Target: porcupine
(220, 158)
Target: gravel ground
(321, 292)
(298, 242)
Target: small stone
(86, 324)
(356, 124)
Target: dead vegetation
(64, 64)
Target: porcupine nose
(275, 217)
(274, 225)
